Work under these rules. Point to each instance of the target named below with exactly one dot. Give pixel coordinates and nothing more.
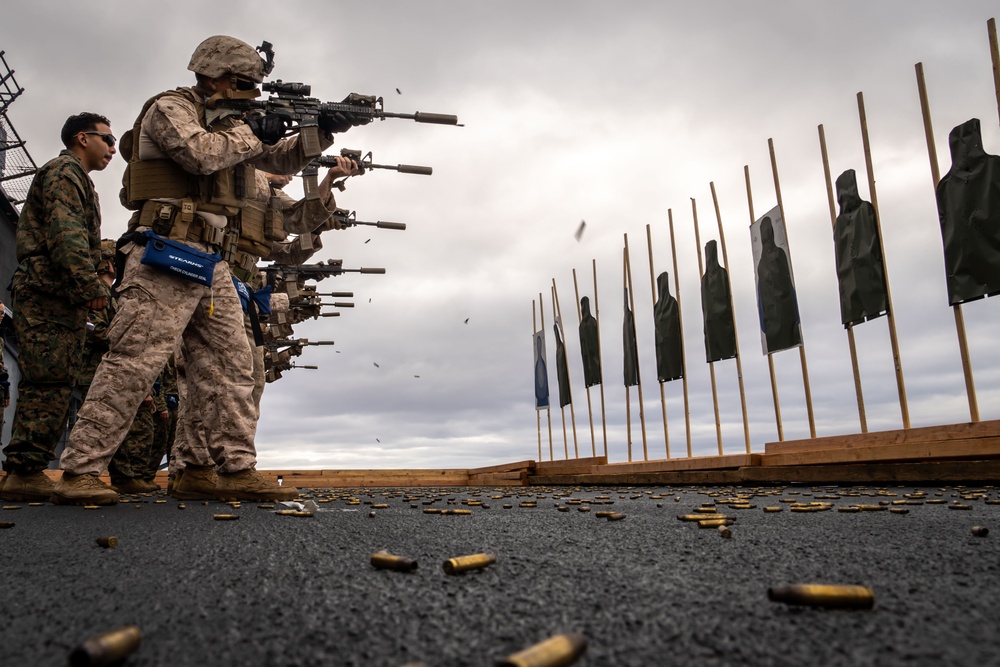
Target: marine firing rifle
(293, 345)
(290, 278)
(365, 163)
(345, 218)
(274, 373)
(309, 174)
(292, 100)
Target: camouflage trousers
(163, 436)
(257, 371)
(159, 314)
(50, 333)
(133, 454)
(258, 364)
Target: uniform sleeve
(294, 252)
(173, 125)
(287, 156)
(101, 319)
(302, 216)
(66, 215)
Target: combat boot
(195, 483)
(132, 485)
(82, 490)
(251, 485)
(26, 488)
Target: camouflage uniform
(130, 459)
(160, 313)
(58, 249)
(165, 401)
(298, 217)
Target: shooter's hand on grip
(341, 121)
(269, 127)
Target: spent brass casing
(703, 517)
(980, 531)
(557, 651)
(616, 516)
(383, 560)
(107, 541)
(225, 517)
(715, 523)
(725, 532)
(6, 524)
(822, 595)
(466, 563)
(107, 649)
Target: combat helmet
(221, 54)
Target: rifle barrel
(403, 168)
(424, 117)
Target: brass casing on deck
(107, 649)
(557, 651)
(384, 560)
(821, 595)
(466, 563)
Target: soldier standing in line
(164, 422)
(302, 217)
(55, 285)
(190, 173)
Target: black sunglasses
(109, 138)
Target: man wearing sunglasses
(55, 286)
(191, 180)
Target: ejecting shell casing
(557, 651)
(383, 560)
(980, 531)
(108, 541)
(466, 563)
(107, 649)
(725, 532)
(822, 595)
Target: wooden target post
(831, 201)
(562, 331)
(963, 343)
(600, 347)
(890, 313)
(642, 411)
(711, 366)
(736, 332)
(548, 410)
(770, 361)
(788, 248)
(677, 288)
(652, 288)
(590, 406)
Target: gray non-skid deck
(647, 590)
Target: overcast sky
(612, 113)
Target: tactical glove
(270, 127)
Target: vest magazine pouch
(274, 228)
(252, 230)
(157, 179)
(179, 260)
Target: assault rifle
(274, 373)
(365, 163)
(293, 346)
(290, 278)
(345, 218)
(291, 99)
(310, 181)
